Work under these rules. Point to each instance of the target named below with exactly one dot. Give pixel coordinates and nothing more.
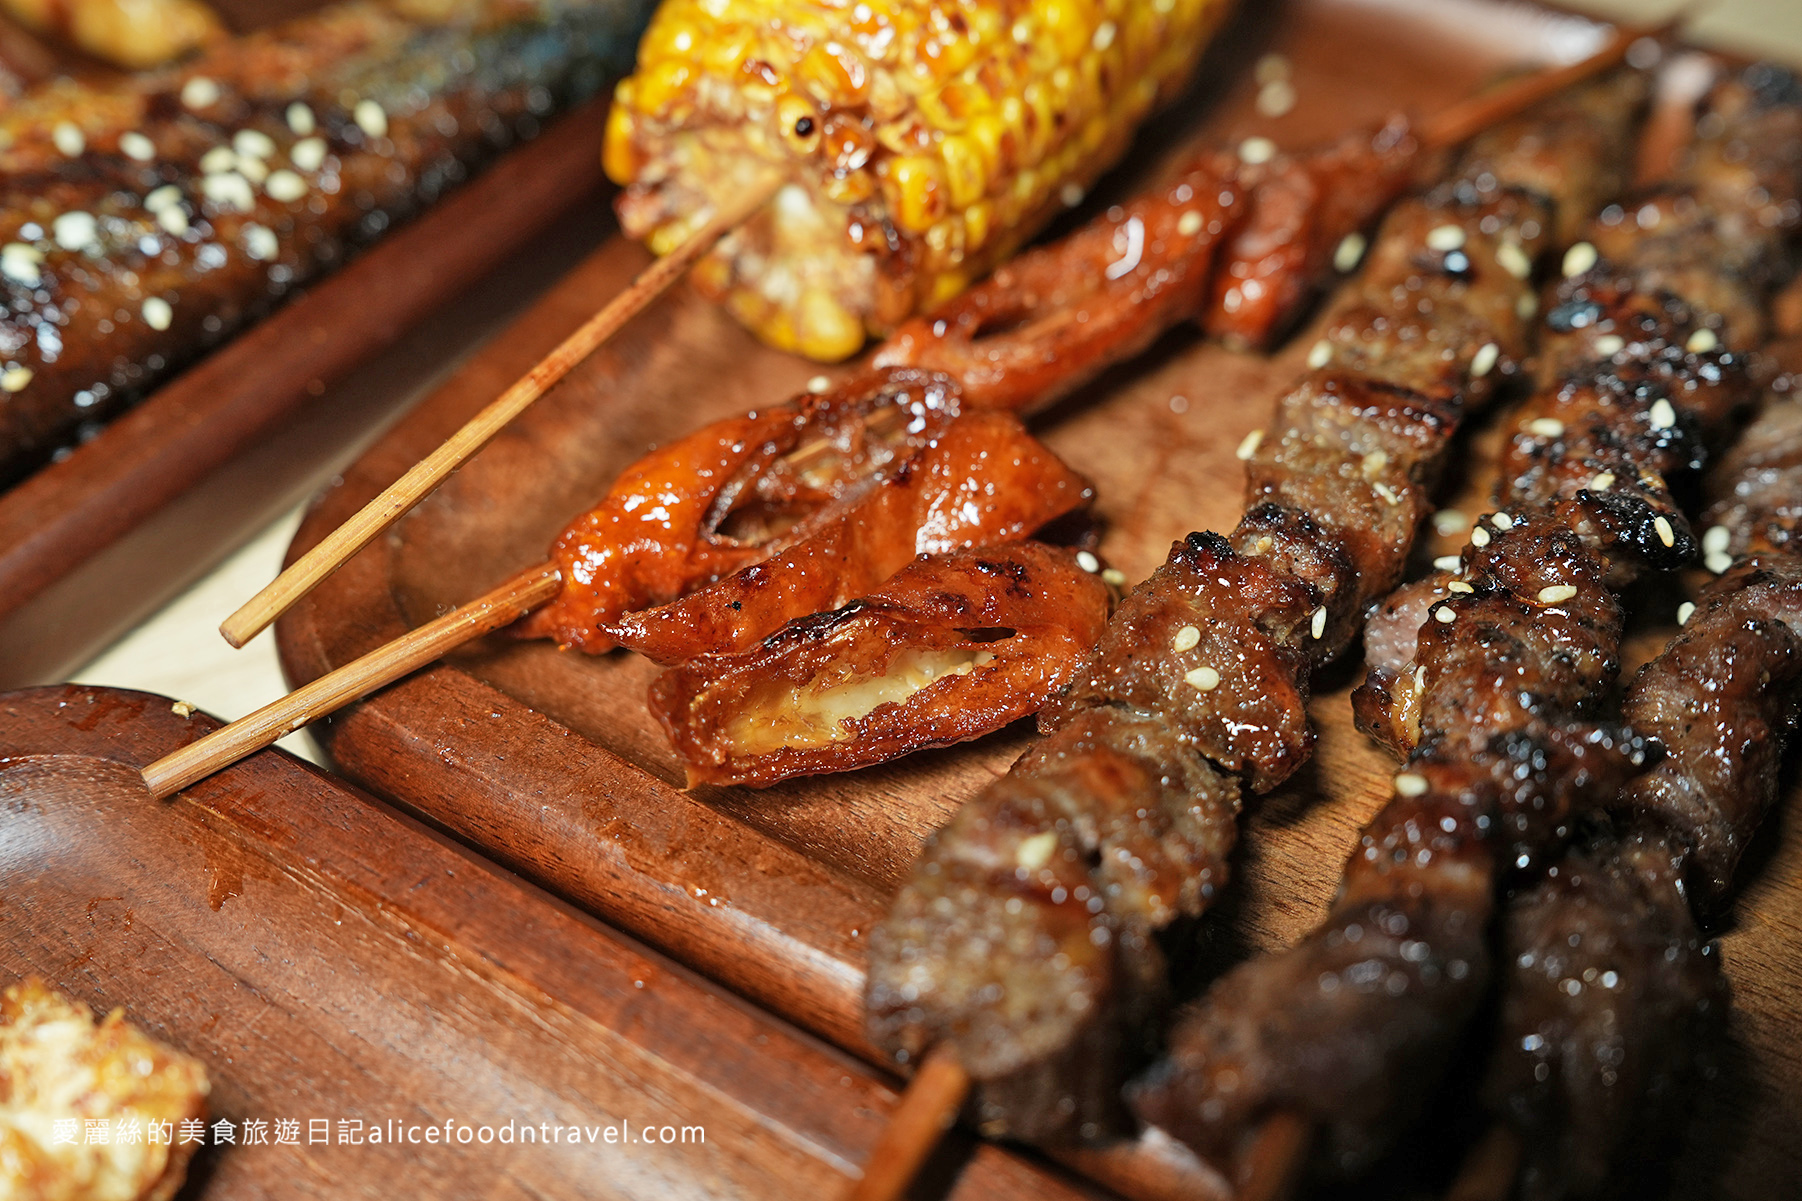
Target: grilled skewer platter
(549, 764)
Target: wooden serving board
(91, 544)
(329, 958)
(548, 761)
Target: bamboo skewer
(355, 679)
(305, 573)
(928, 1108)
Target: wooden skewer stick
(927, 1110)
(1489, 1170)
(1272, 1164)
(1470, 117)
(358, 678)
(305, 573)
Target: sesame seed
(253, 169)
(1420, 679)
(1514, 260)
(1663, 415)
(1411, 784)
(1459, 586)
(1271, 68)
(1320, 354)
(308, 153)
(1702, 341)
(1604, 480)
(173, 219)
(300, 119)
(1685, 611)
(1579, 258)
(370, 118)
(1249, 445)
(1483, 362)
(157, 313)
(1718, 563)
(1479, 536)
(253, 143)
(1666, 534)
(1318, 627)
(1502, 521)
(20, 263)
(1349, 253)
(1276, 98)
(1717, 540)
(219, 158)
(1189, 224)
(75, 231)
(199, 92)
(1449, 562)
(260, 242)
(1526, 306)
(1445, 237)
(68, 138)
(1556, 593)
(1256, 150)
(161, 198)
(1071, 194)
(14, 379)
(1114, 577)
(1373, 463)
(1104, 35)
(1545, 427)
(1609, 345)
(229, 190)
(285, 187)
(1088, 562)
(1445, 614)
(819, 384)
(135, 145)
(1447, 522)
(1204, 678)
(1187, 639)
(1387, 493)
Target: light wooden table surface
(178, 651)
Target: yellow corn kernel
(929, 138)
(916, 191)
(966, 176)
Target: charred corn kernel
(926, 139)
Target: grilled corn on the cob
(920, 141)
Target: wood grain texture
(328, 958)
(245, 393)
(550, 763)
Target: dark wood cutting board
(93, 543)
(549, 763)
(328, 958)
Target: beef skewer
(1302, 210)
(1611, 989)
(1646, 352)
(1023, 938)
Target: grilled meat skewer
(1611, 991)
(145, 220)
(1024, 935)
(1648, 335)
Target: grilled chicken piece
(984, 480)
(732, 493)
(145, 220)
(1349, 1029)
(953, 647)
(1123, 818)
(58, 1065)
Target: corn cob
(919, 141)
